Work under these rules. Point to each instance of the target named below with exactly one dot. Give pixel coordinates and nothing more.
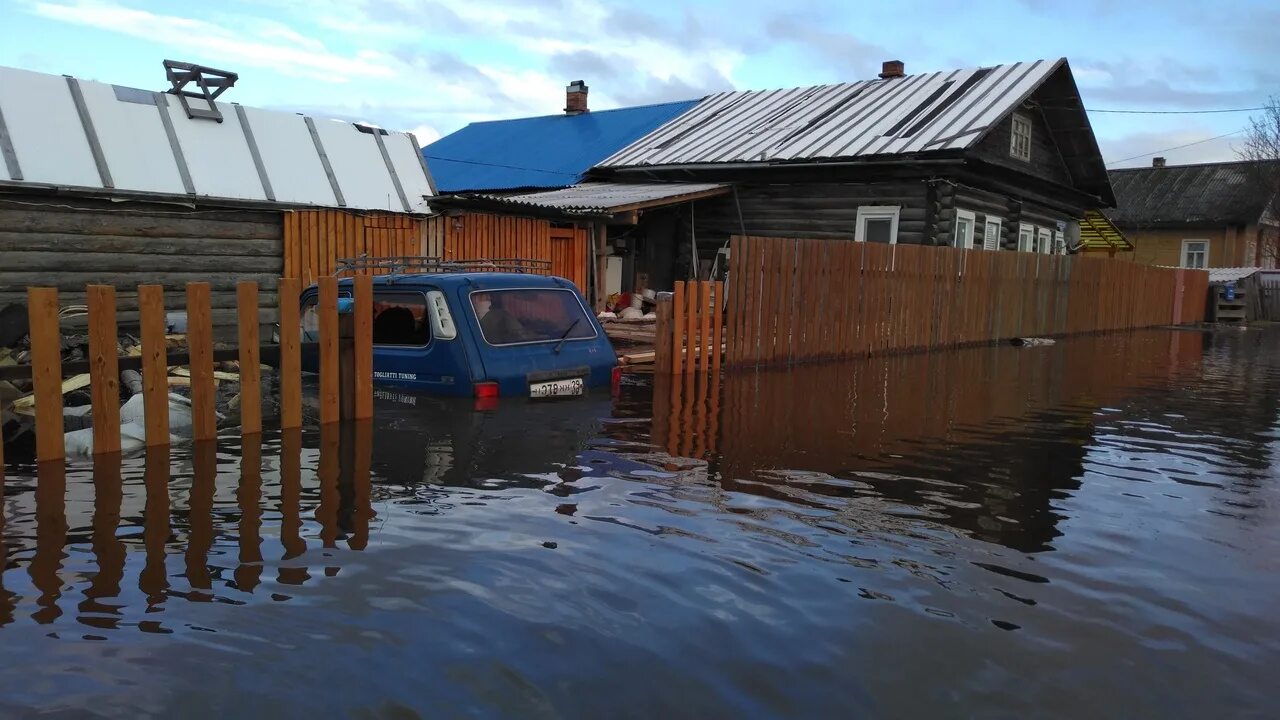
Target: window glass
(400, 319)
(1195, 254)
(879, 230)
(1026, 238)
(964, 229)
(511, 317)
(1020, 141)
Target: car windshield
(512, 317)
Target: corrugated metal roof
(606, 197)
(917, 113)
(109, 140)
(1226, 275)
(1209, 193)
(539, 152)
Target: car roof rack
(407, 264)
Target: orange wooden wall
(314, 240)
(475, 236)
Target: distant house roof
(88, 137)
(916, 114)
(539, 152)
(1210, 193)
(598, 198)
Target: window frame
(1044, 239)
(955, 230)
(1030, 231)
(1059, 242)
(1182, 260)
(471, 309)
(1014, 122)
(877, 212)
(988, 221)
(426, 315)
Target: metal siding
(354, 154)
(290, 159)
(409, 167)
(217, 155)
(134, 142)
(759, 126)
(48, 138)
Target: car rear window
(514, 317)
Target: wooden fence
(795, 300)
(314, 240)
(472, 236)
(689, 334)
(345, 352)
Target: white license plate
(556, 388)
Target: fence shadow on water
(110, 542)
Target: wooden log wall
(473, 236)
(70, 243)
(817, 210)
(795, 300)
(314, 240)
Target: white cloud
(426, 135)
(260, 43)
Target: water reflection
(1089, 526)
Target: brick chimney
(892, 69)
(575, 98)
(1157, 162)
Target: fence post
(330, 372)
(677, 326)
(290, 355)
(363, 350)
(104, 369)
(250, 364)
(155, 364)
(717, 323)
(204, 419)
(46, 371)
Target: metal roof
(60, 132)
(1209, 193)
(1226, 275)
(539, 152)
(600, 198)
(913, 114)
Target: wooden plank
(155, 384)
(705, 347)
(363, 361)
(330, 379)
(204, 419)
(104, 375)
(46, 371)
(290, 355)
(691, 325)
(717, 320)
(250, 365)
(677, 327)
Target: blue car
(480, 334)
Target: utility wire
(500, 165)
(1177, 147)
(1174, 112)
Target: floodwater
(1091, 528)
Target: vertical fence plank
(46, 371)
(204, 421)
(250, 364)
(704, 334)
(104, 368)
(691, 297)
(330, 392)
(290, 355)
(363, 361)
(717, 321)
(155, 364)
(677, 326)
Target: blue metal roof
(539, 152)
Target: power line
(1174, 112)
(1177, 147)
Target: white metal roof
(917, 113)
(57, 131)
(1226, 275)
(606, 197)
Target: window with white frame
(1195, 253)
(991, 234)
(965, 221)
(1026, 237)
(1044, 241)
(877, 224)
(1020, 138)
(1059, 243)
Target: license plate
(556, 388)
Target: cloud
(846, 53)
(254, 42)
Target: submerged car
(481, 334)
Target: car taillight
(615, 381)
(486, 390)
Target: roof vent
(209, 81)
(892, 69)
(1157, 162)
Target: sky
(432, 66)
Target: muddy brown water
(1091, 528)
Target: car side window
(400, 318)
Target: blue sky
(432, 66)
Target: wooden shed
(104, 184)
